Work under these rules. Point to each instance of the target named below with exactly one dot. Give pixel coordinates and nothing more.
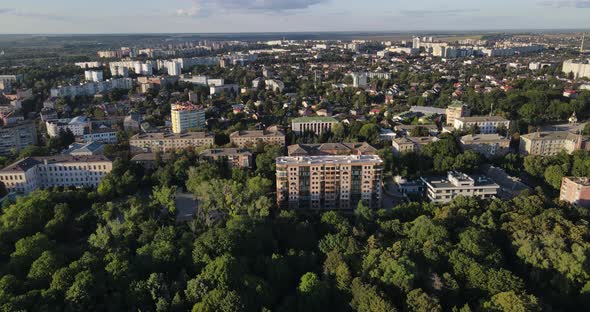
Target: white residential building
(93, 75)
(29, 174)
(77, 125)
(441, 190)
(485, 124)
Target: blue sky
(201, 16)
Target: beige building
(576, 191)
(550, 143)
(457, 110)
(410, 144)
(234, 157)
(29, 174)
(167, 142)
(252, 137)
(441, 190)
(485, 124)
(15, 137)
(488, 145)
(333, 149)
(316, 125)
(187, 116)
(329, 182)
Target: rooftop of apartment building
(331, 148)
(482, 138)
(166, 135)
(482, 119)
(584, 181)
(150, 157)
(230, 151)
(550, 135)
(256, 133)
(29, 162)
(415, 140)
(458, 179)
(323, 160)
(314, 119)
(186, 107)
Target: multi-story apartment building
(92, 88)
(93, 75)
(29, 174)
(316, 125)
(329, 182)
(576, 191)
(441, 190)
(234, 157)
(410, 144)
(578, 68)
(187, 116)
(246, 138)
(550, 143)
(167, 142)
(488, 145)
(333, 149)
(457, 110)
(14, 137)
(485, 124)
(77, 125)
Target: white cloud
(202, 8)
(579, 4)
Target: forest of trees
(120, 248)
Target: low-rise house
(410, 144)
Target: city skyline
(237, 16)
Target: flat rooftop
(352, 159)
(170, 136)
(482, 119)
(314, 119)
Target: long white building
(92, 88)
(579, 68)
(29, 174)
(441, 190)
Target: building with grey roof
(443, 190)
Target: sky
(232, 16)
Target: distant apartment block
(247, 138)
(485, 124)
(315, 125)
(92, 88)
(550, 143)
(580, 69)
(233, 157)
(93, 75)
(457, 110)
(168, 142)
(576, 191)
(15, 137)
(488, 145)
(331, 149)
(29, 174)
(186, 116)
(441, 190)
(329, 182)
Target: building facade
(167, 142)
(488, 145)
(329, 182)
(252, 137)
(576, 191)
(486, 125)
(29, 174)
(15, 137)
(315, 125)
(233, 157)
(550, 143)
(187, 116)
(410, 144)
(457, 110)
(441, 190)
(77, 125)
